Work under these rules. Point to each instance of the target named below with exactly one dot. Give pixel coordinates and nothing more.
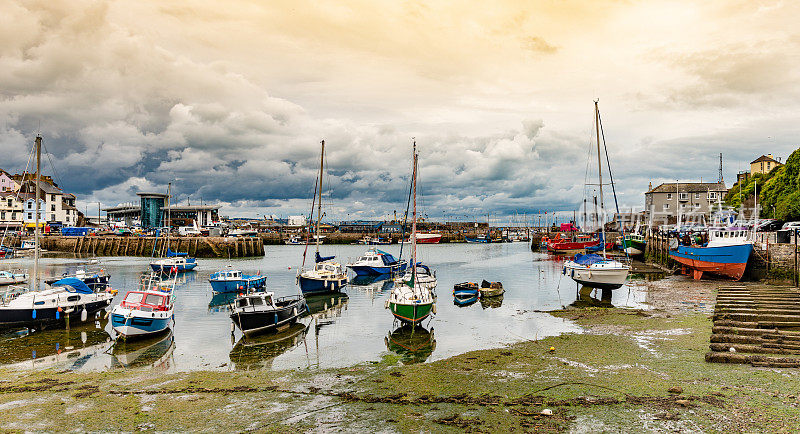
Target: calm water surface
(344, 329)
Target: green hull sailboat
(412, 299)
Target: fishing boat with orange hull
(726, 254)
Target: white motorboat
(13, 277)
(148, 310)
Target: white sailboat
(593, 270)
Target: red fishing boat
(564, 244)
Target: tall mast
(414, 216)
(599, 164)
(599, 173)
(169, 215)
(36, 221)
(319, 191)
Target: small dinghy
(491, 289)
(466, 289)
(259, 312)
(13, 277)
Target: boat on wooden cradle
(598, 270)
(260, 312)
(377, 262)
(148, 310)
(726, 254)
(236, 281)
(595, 271)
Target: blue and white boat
(376, 262)
(174, 262)
(146, 311)
(726, 254)
(236, 281)
(479, 239)
(326, 276)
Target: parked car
(768, 225)
(791, 225)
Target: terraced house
(688, 199)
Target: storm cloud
(230, 104)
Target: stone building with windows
(690, 199)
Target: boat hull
(47, 316)
(251, 323)
(728, 261)
(365, 270)
(163, 268)
(570, 246)
(411, 313)
(138, 326)
(597, 278)
(238, 285)
(428, 238)
(320, 286)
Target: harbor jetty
(199, 247)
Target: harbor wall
(199, 247)
(273, 238)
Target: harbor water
(342, 330)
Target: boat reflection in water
(587, 297)
(259, 351)
(492, 302)
(327, 305)
(412, 344)
(155, 352)
(372, 285)
(220, 301)
(464, 301)
(72, 347)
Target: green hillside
(778, 191)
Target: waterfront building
(10, 210)
(6, 182)
(688, 199)
(360, 226)
(150, 213)
(58, 208)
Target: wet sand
(630, 370)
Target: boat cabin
(147, 301)
(227, 275)
(326, 267)
(257, 300)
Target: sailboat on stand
(597, 270)
(413, 298)
(327, 275)
(68, 297)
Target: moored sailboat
(327, 275)
(411, 300)
(597, 270)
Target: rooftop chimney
(770, 156)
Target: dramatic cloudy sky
(230, 99)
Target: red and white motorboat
(427, 238)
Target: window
(697, 195)
(697, 206)
(30, 215)
(52, 197)
(3, 215)
(712, 194)
(257, 301)
(30, 205)
(683, 196)
(683, 206)
(52, 217)
(666, 206)
(133, 297)
(52, 207)
(155, 300)
(669, 196)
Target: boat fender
(33, 314)
(233, 327)
(588, 274)
(385, 306)
(294, 312)
(276, 317)
(58, 313)
(84, 315)
(433, 308)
